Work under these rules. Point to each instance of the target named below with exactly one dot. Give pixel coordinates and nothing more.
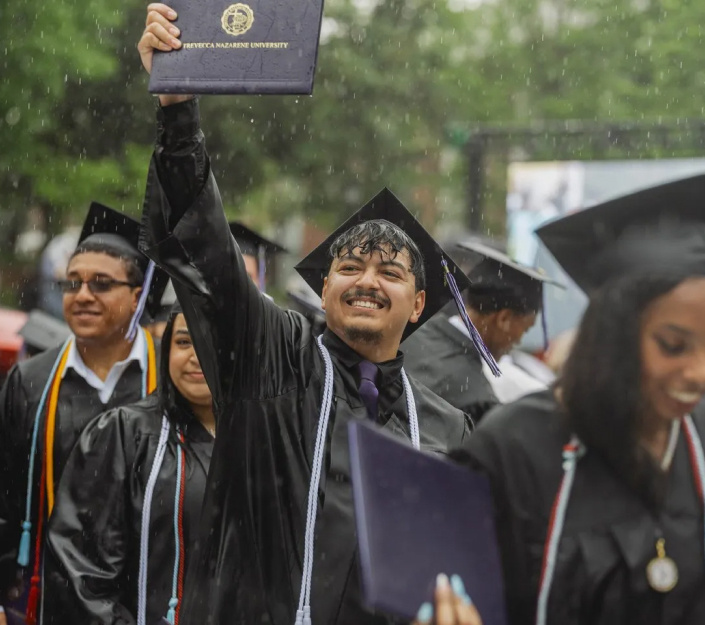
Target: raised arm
(238, 333)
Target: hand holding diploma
(160, 34)
(453, 606)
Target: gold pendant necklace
(662, 572)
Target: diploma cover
(418, 515)
(249, 47)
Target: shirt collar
(75, 362)
(389, 371)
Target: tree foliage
(76, 122)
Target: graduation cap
(253, 244)
(118, 234)
(496, 275)
(444, 279)
(505, 282)
(655, 228)
(42, 331)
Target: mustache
(362, 293)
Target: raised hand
(159, 33)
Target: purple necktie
(368, 389)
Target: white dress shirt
(105, 388)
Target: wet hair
(171, 402)
(135, 275)
(600, 388)
(380, 235)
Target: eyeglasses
(95, 285)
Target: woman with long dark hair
(598, 482)
(122, 530)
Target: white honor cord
(146, 513)
(671, 447)
(411, 409)
(571, 452)
(699, 457)
(303, 614)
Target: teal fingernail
(456, 583)
(425, 612)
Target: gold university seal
(237, 19)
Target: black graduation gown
(78, 404)
(444, 359)
(266, 376)
(94, 532)
(609, 534)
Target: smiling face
(369, 298)
(184, 368)
(673, 351)
(99, 317)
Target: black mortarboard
(119, 234)
(42, 331)
(250, 242)
(114, 231)
(253, 244)
(655, 228)
(495, 275)
(444, 279)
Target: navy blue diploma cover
(251, 47)
(418, 515)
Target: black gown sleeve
(88, 534)
(13, 478)
(244, 341)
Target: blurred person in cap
(283, 396)
(256, 251)
(502, 301)
(46, 401)
(598, 482)
(42, 331)
(130, 497)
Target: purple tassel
(477, 341)
(261, 266)
(544, 322)
(142, 302)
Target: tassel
(142, 302)
(23, 555)
(477, 341)
(261, 267)
(544, 322)
(33, 600)
(307, 615)
(171, 614)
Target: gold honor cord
(50, 428)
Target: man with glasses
(47, 400)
